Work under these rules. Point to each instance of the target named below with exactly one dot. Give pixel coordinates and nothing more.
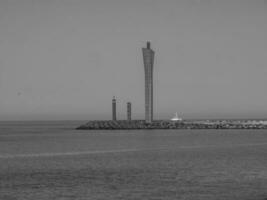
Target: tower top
(148, 45)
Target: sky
(66, 59)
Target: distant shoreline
(168, 124)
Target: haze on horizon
(64, 59)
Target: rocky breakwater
(166, 124)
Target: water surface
(51, 160)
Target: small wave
(77, 153)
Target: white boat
(176, 118)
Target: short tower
(129, 111)
(114, 109)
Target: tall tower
(129, 111)
(148, 56)
(113, 108)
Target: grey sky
(65, 59)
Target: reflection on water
(48, 161)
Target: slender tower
(148, 56)
(113, 108)
(129, 111)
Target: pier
(167, 124)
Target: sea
(50, 160)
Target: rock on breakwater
(167, 124)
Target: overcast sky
(65, 59)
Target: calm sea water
(51, 160)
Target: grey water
(52, 160)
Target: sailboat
(176, 118)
